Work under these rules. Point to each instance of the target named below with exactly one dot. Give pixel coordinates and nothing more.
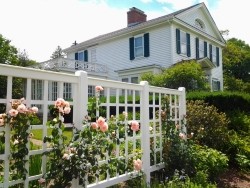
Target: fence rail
(141, 100)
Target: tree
(236, 64)
(188, 74)
(236, 59)
(23, 59)
(57, 53)
(8, 53)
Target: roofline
(144, 25)
(139, 68)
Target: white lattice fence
(141, 101)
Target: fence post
(145, 137)
(80, 101)
(182, 103)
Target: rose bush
(91, 154)
(18, 118)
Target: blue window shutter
(146, 45)
(86, 55)
(210, 52)
(205, 49)
(131, 48)
(76, 56)
(178, 41)
(217, 57)
(188, 45)
(197, 47)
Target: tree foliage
(188, 74)
(236, 60)
(8, 53)
(57, 53)
(23, 59)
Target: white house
(149, 45)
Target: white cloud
(146, 1)
(177, 4)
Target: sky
(39, 26)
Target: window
(91, 91)
(124, 80)
(214, 54)
(183, 43)
(134, 80)
(54, 91)
(215, 85)
(139, 46)
(200, 24)
(67, 91)
(183, 40)
(36, 89)
(201, 48)
(81, 56)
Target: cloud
(146, 1)
(177, 4)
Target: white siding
(162, 41)
(115, 53)
(190, 17)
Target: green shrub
(224, 101)
(208, 125)
(239, 151)
(208, 160)
(239, 122)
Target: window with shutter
(214, 54)
(183, 43)
(139, 46)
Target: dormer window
(199, 23)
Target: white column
(145, 136)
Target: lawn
(38, 133)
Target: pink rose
(13, 112)
(104, 127)
(135, 126)
(182, 135)
(59, 102)
(41, 181)
(98, 88)
(66, 156)
(1, 122)
(21, 108)
(94, 125)
(34, 109)
(100, 121)
(137, 164)
(67, 110)
(66, 103)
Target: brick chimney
(135, 16)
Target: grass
(38, 133)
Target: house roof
(150, 23)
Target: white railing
(64, 64)
(136, 100)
